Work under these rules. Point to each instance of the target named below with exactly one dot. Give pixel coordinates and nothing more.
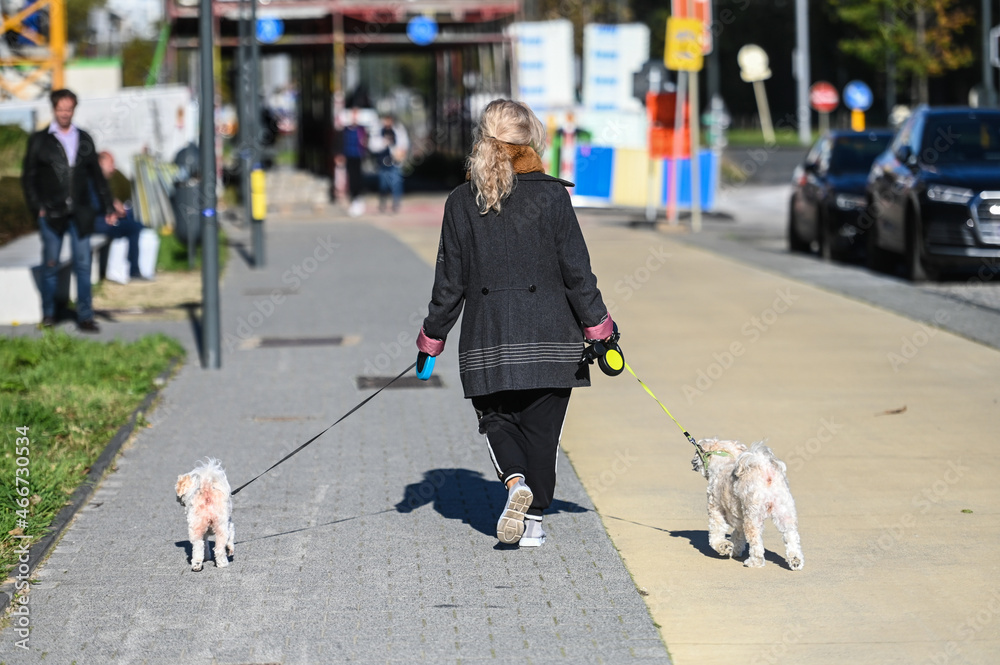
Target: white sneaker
(510, 526)
(533, 535)
(357, 208)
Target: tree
(137, 56)
(917, 38)
(77, 19)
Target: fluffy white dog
(745, 487)
(206, 495)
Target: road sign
(753, 63)
(702, 12)
(684, 50)
(647, 80)
(422, 30)
(858, 96)
(269, 29)
(823, 97)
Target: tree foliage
(583, 12)
(923, 37)
(137, 56)
(77, 25)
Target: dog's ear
(184, 484)
(781, 465)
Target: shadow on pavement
(466, 495)
(699, 541)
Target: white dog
(745, 487)
(206, 495)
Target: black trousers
(355, 179)
(522, 429)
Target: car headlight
(946, 194)
(849, 202)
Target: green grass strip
(62, 399)
(173, 254)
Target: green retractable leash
(611, 360)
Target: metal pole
(989, 89)
(694, 160)
(651, 189)
(210, 341)
(245, 106)
(254, 116)
(803, 73)
(765, 112)
(675, 159)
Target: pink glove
(429, 345)
(601, 331)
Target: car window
(813, 157)
(903, 135)
(855, 154)
(961, 139)
(824, 157)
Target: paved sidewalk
(896, 570)
(375, 544)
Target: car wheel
(795, 243)
(826, 238)
(917, 269)
(876, 258)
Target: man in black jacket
(59, 167)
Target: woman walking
(512, 252)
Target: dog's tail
(211, 473)
(759, 456)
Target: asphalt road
(750, 226)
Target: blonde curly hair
(490, 168)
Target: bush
(13, 143)
(15, 219)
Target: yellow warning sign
(684, 48)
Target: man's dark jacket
(525, 280)
(63, 191)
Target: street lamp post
(256, 224)
(210, 341)
(802, 70)
(989, 90)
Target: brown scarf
(523, 158)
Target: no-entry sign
(823, 97)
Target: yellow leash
(665, 410)
(702, 453)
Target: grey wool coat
(525, 280)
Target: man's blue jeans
(127, 227)
(51, 247)
(390, 181)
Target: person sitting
(124, 224)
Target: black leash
(365, 401)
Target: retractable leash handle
(607, 353)
(425, 366)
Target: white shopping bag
(117, 269)
(149, 248)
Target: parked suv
(934, 195)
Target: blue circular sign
(422, 30)
(858, 96)
(269, 29)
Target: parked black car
(934, 195)
(829, 196)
